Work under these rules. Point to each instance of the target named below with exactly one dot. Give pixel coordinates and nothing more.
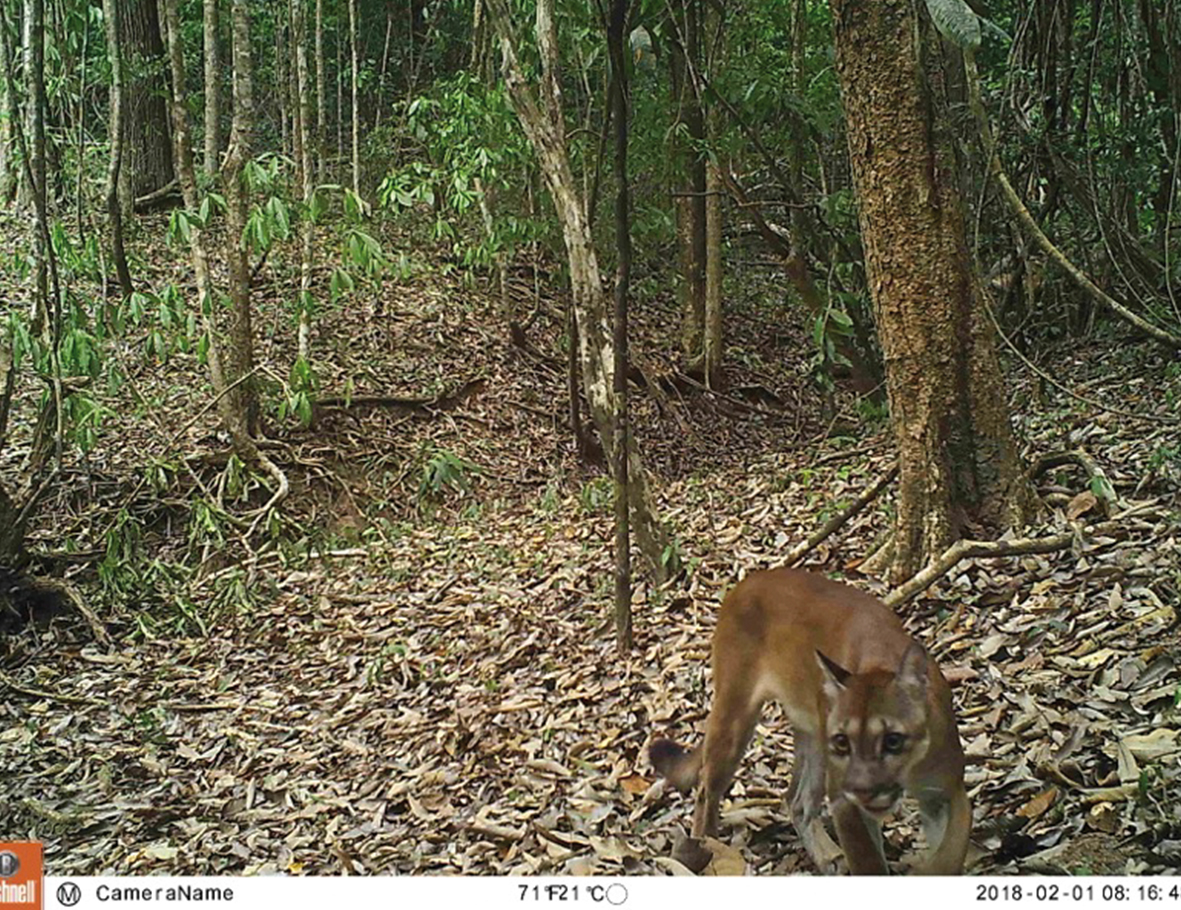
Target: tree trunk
(356, 63)
(304, 144)
(544, 125)
(114, 211)
(385, 60)
(8, 116)
(623, 582)
(339, 98)
(229, 408)
(712, 359)
(298, 89)
(239, 353)
(689, 134)
(958, 463)
(147, 143)
(321, 102)
(212, 89)
(712, 340)
(283, 84)
(35, 105)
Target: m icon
(68, 894)
(9, 864)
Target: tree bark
(958, 463)
(321, 102)
(212, 88)
(544, 124)
(284, 83)
(239, 352)
(8, 116)
(623, 581)
(35, 105)
(304, 146)
(712, 349)
(356, 63)
(114, 211)
(230, 408)
(689, 200)
(147, 143)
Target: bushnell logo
(9, 864)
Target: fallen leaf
(1039, 804)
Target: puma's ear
(835, 676)
(912, 672)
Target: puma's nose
(875, 798)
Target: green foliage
(956, 22)
(831, 330)
(301, 393)
(597, 495)
(443, 471)
(464, 133)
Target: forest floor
(416, 670)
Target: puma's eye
(840, 744)
(893, 743)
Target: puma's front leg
(947, 822)
(806, 798)
(861, 839)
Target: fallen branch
(969, 549)
(839, 520)
(167, 195)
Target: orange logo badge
(20, 876)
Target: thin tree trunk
(283, 86)
(385, 59)
(298, 90)
(544, 126)
(623, 580)
(233, 410)
(114, 211)
(339, 98)
(80, 146)
(212, 88)
(8, 116)
(187, 176)
(321, 103)
(304, 145)
(689, 199)
(356, 63)
(34, 48)
(239, 354)
(712, 364)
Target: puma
(870, 712)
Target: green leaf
(956, 22)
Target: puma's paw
(692, 853)
(825, 852)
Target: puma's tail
(678, 765)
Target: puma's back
(871, 715)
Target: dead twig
(969, 549)
(841, 518)
(41, 693)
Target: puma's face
(876, 728)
